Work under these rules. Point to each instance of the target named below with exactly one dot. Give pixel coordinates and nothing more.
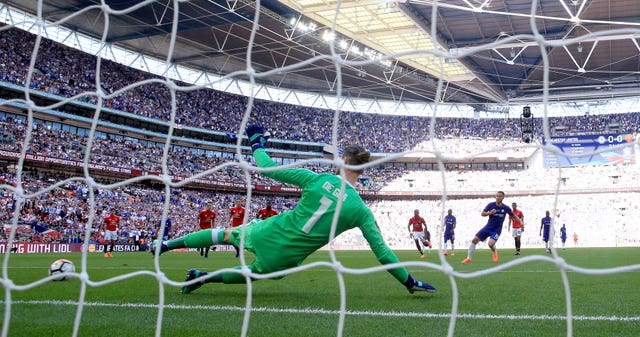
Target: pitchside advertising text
(32, 248)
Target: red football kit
(111, 222)
(515, 223)
(418, 222)
(266, 213)
(237, 215)
(207, 218)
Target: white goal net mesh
(118, 91)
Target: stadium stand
(64, 73)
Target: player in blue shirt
(167, 229)
(497, 212)
(545, 229)
(563, 235)
(449, 234)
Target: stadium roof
(497, 59)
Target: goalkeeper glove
(413, 285)
(257, 136)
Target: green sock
(199, 239)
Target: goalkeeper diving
(285, 240)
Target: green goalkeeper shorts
(268, 245)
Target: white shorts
(111, 235)
(516, 232)
(418, 236)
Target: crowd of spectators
(535, 180)
(181, 162)
(65, 210)
(66, 72)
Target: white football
(61, 266)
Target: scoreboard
(579, 150)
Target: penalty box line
(335, 312)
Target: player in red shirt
(206, 220)
(516, 227)
(418, 232)
(110, 228)
(266, 212)
(236, 215)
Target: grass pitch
(523, 299)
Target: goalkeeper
(285, 240)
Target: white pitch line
(337, 312)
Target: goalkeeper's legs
(226, 278)
(201, 239)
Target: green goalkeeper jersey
(285, 240)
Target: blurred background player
(545, 229)
(563, 236)
(266, 212)
(497, 212)
(167, 229)
(110, 229)
(418, 232)
(206, 220)
(516, 227)
(287, 239)
(236, 216)
(449, 231)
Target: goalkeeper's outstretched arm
(385, 255)
(353, 156)
(294, 176)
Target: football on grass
(61, 266)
